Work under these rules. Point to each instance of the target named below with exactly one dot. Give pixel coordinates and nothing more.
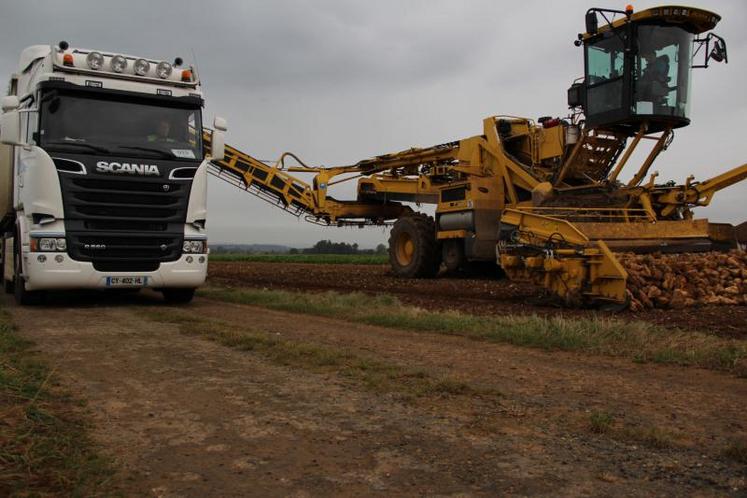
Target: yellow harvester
(542, 198)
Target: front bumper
(70, 274)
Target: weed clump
(600, 422)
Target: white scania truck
(103, 174)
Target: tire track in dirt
(703, 405)
(187, 417)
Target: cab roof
(691, 19)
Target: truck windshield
(108, 125)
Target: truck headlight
(48, 244)
(118, 63)
(95, 60)
(194, 246)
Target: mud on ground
(486, 295)
(183, 416)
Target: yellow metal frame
(566, 262)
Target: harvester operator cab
(637, 67)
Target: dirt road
(184, 416)
(486, 295)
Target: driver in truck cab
(162, 133)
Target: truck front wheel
(23, 297)
(8, 275)
(178, 295)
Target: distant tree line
(321, 247)
(329, 247)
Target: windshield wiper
(96, 148)
(162, 152)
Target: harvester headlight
(163, 70)
(61, 244)
(193, 246)
(142, 67)
(118, 63)
(95, 60)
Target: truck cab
(107, 173)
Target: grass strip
(637, 340)
(373, 374)
(601, 422)
(45, 449)
(325, 259)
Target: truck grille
(112, 247)
(124, 224)
(114, 199)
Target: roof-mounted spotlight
(142, 67)
(118, 63)
(95, 60)
(163, 70)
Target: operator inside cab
(654, 81)
(162, 132)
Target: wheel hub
(405, 249)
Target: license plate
(126, 281)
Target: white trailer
(103, 174)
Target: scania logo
(94, 247)
(127, 168)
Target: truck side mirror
(218, 141)
(10, 122)
(220, 123)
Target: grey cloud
(337, 81)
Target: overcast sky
(340, 81)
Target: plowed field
(486, 295)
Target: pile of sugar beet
(684, 280)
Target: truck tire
(22, 296)
(414, 251)
(7, 279)
(178, 295)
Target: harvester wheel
(414, 251)
(453, 255)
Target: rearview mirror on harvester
(218, 147)
(591, 23)
(10, 122)
(714, 50)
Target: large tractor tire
(414, 251)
